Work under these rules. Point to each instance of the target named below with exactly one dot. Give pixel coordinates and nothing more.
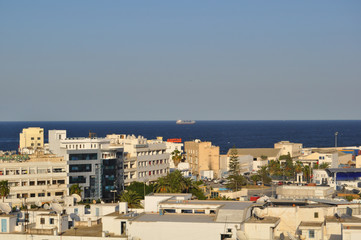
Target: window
(38, 144)
(38, 138)
(51, 220)
(311, 234)
(32, 194)
(42, 220)
(315, 215)
(41, 194)
(32, 138)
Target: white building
(144, 160)
(91, 162)
(34, 178)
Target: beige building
(36, 178)
(294, 149)
(31, 139)
(202, 156)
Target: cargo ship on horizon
(185, 122)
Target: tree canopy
(4, 189)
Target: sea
(225, 134)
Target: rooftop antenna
(92, 135)
(46, 206)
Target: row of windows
(83, 156)
(36, 183)
(80, 168)
(32, 195)
(79, 146)
(77, 179)
(34, 139)
(30, 171)
(150, 173)
(155, 152)
(150, 163)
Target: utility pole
(336, 133)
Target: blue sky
(167, 60)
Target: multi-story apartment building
(34, 178)
(31, 139)
(202, 156)
(91, 163)
(144, 160)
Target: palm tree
(75, 189)
(132, 198)
(162, 185)
(4, 189)
(176, 157)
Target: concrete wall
(178, 230)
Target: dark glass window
(80, 168)
(78, 179)
(83, 156)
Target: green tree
(275, 168)
(131, 197)
(162, 185)
(75, 189)
(264, 175)
(4, 189)
(176, 157)
(255, 178)
(236, 181)
(233, 161)
(140, 188)
(324, 165)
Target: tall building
(91, 162)
(31, 139)
(202, 156)
(144, 160)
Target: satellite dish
(5, 208)
(46, 206)
(77, 197)
(259, 213)
(74, 217)
(57, 207)
(38, 204)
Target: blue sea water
(242, 134)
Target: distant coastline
(242, 134)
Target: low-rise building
(287, 147)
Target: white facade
(144, 160)
(39, 179)
(91, 162)
(170, 148)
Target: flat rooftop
(311, 224)
(174, 217)
(236, 205)
(94, 231)
(343, 219)
(264, 220)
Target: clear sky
(168, 60)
